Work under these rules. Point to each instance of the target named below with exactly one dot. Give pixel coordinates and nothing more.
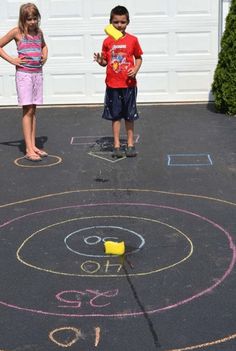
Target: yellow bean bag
(114, 248)
(113, 32)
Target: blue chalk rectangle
(189, 160)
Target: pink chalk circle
(151, 310)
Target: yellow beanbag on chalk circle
(114, 248)
(113, 32)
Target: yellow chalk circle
(113, 32)
(114, 248)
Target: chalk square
(94, 139)
(83, 140)
(189, 160)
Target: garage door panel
(157, 8)
(11, 85)
(94, 44)
(156, 44)
(154, 82)
(196, 43)
(10, 11)
(1, 87)
(196, 8)
(102, 8)
(66, 47)
(68, 84)
(184, 81)
(97, 84)
(58, 9)
(7, 87)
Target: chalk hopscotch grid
(172, 163)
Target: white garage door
(179, 39)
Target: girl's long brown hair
(27, 10)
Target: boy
(123, 59)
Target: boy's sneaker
(117, 152)
(131, 151)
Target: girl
(32, 54)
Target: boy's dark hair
(119, 10)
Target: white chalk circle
(92, 239)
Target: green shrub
(224, 82)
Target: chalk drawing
(98, 239)
(70, 303)
(117, 266)
(87, 267)
(38, 164)
(197, 160)
(105, 157)
(193, 347)
(107, 294)
(91, 140)
(76, 332)
(193, 196)
(97, 336)
(81, 231)
(97, 266)
(93, 295)
(151, 310)
(118, 190)
(206, 344)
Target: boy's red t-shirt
(120, 55)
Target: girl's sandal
(33, 158)
(42, 153)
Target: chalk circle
(98, 240)
(54, 160)
(192, 196)
(152, 309)
(206, 344)
(75, 331)
(90, 240)
(85, 273)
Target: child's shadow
(40, 141)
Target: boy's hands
(99, 59)
(132, 72)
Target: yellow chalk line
(118, 190)
(103, 275)
(207, 344)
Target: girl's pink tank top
(30, 48)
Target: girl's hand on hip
(17, 61)
(43, 60)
